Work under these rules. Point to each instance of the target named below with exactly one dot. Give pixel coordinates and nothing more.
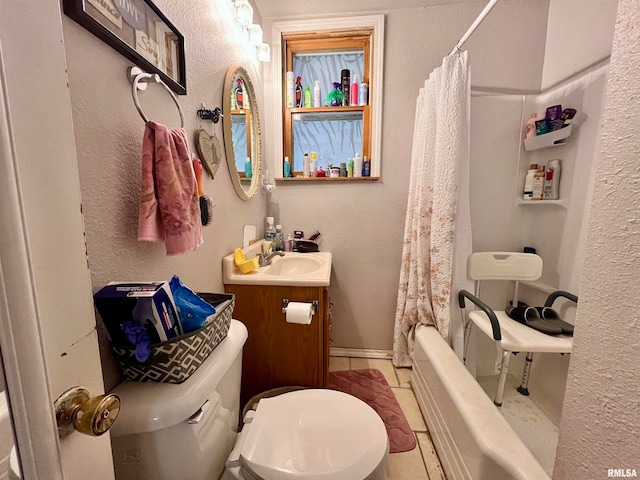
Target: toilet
(189, 431)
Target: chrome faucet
(265, 259)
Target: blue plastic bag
(192, 309)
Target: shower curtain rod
(475, 25)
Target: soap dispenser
(270, 233)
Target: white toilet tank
(181, 431)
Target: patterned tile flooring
(421, 463)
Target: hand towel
(169, 204)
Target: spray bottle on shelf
(357, 165)
(353, 95)
(538, 183)
(307, 97)
(350, 167)
(298, 102)
(287, 168)
(528, 182)
(306, 165)
(552, 181)
(316, 95)
(313, 164)
(363, 94)
(366, 167)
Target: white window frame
(375, 22)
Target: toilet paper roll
(298, 312)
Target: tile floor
(421, 463)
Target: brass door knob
(77, 410)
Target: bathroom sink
(294, 264)
(293, 269)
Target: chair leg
(502, 378)
(523, 389)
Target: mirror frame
(256, 141)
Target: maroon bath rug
(370, 386)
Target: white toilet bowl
(189, 431)
(318, 434)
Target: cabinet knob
(77, 410)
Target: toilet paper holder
(314, 306)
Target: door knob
(77, 410)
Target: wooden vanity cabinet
(277, 353)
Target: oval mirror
(241, 126)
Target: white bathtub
(472, 438)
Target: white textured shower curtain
(437, 237)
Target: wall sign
(139, 31)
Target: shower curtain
(437, 237)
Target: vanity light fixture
(255, 34)
(263, 51)
(243, 12)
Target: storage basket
(177, 359)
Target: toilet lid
(320, 434)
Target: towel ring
(140, 76)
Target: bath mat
(370, 386)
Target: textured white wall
(363, 223)
(109, 132)
(601, 415)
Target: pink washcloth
(169, 204)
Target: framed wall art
(139, 31)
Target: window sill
(328, 179)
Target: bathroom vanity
(278, 353)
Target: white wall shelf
(560, 203)
(551, 139)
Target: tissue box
(151, 301)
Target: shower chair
(509, 335)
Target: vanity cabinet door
(277, 353)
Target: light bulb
(243, 12)
(263, 51)
(255, 34)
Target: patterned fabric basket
(177, 359)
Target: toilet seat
(319, 434)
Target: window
(317, 52)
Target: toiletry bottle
(357, 165)
(290, 98)
(306, 165)
(530, 131)
(345, 77)
(343, 169)
(350, 167)
(316, 95)
(239, 94)
(247, 168)
(538, 183)
(528, 182)
(298, 92)
(287, 168)
(313, 164)
(288, 243)
(567, 116)
(270, 232)
(366, 167)
(353, 94)
(335, 96)
(552, 181)
(278, 245)
(307, 97)
(363, 94)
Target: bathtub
(472, 438)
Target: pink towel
(169, 203)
